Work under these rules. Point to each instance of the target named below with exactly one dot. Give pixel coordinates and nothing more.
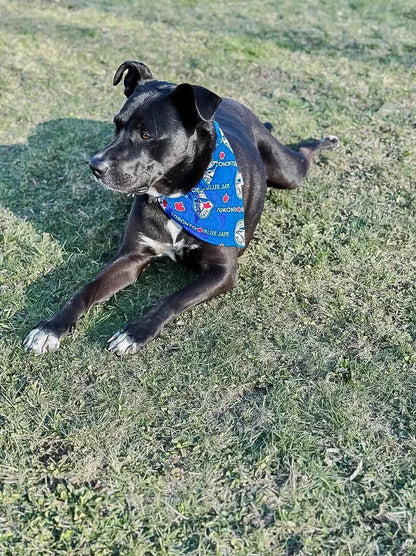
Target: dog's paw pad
(121, 343)
(330, 142)
(41, 341)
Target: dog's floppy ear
(136, 72)
(194, 103)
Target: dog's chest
(173, 248)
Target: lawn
(276, 420)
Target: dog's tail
(268, 126)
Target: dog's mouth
(133, 190)
(127, 190)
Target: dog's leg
(214, 280)
(118, 274)
(284, 167)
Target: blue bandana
(213, 210)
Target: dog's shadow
(47, 183)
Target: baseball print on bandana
(213, 210)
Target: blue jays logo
(239, 233)
(201, 204)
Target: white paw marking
(334, 139)
(41, 341)
(121, 343)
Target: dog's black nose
(98, 166)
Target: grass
(277, 420)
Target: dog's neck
(185, 175)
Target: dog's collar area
(153, 193)
(213, 210)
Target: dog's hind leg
(286, 168)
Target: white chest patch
(170, 249)
(173, 228)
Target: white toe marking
(333, 139)
(121, 343)
(113, 337)
(41, 341)
(31, 335)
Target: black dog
(164, 143)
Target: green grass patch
(276, 420)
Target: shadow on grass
(47, 183)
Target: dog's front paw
(133, 337)
(41, 340)
(121, 343)
(330, 142)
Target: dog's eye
(145, 135)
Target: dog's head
(164, 135)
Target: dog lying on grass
(198, 166)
